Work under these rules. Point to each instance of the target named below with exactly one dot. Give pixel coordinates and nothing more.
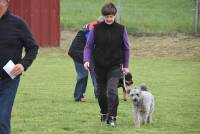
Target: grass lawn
(155, 16)
(44, 103)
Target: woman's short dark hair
(109, 9)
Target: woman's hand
(125, 70)
(86, 65)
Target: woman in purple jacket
(111, 50)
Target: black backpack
(77, 47)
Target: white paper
(8, 68)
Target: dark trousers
(107, 81)
(82, 78)
(8, 89)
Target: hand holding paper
(18, 69)
(9, 67)
(12, 69)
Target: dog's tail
(143, 87)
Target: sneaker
(103, 117)
(111, 121)
(82, 99)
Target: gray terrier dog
(143, 105)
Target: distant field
(137, 15)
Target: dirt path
(178, 45)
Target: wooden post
(196, 19)
(118, 11)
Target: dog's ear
(129, 75)
(143, 87)
(129, 79)
(128, 90)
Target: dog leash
(124, 82)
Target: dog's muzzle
(135, 100)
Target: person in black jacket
(14, 36)
(76, 53)
(111, 50)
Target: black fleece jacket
(14, 36)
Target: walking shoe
(82, 99)
(103, 117)
(111, 121)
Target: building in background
(43, 16)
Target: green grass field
(44, 103)
(155, 16)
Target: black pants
(107, 81)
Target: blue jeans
(8, 89)
(82, 78)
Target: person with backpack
(76, 53)
(111, 50)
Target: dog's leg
(147, 112)
(125, 94)
(137, 117)
(145, 117)
(149, 120)
(142, 118)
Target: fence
(197, 13)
